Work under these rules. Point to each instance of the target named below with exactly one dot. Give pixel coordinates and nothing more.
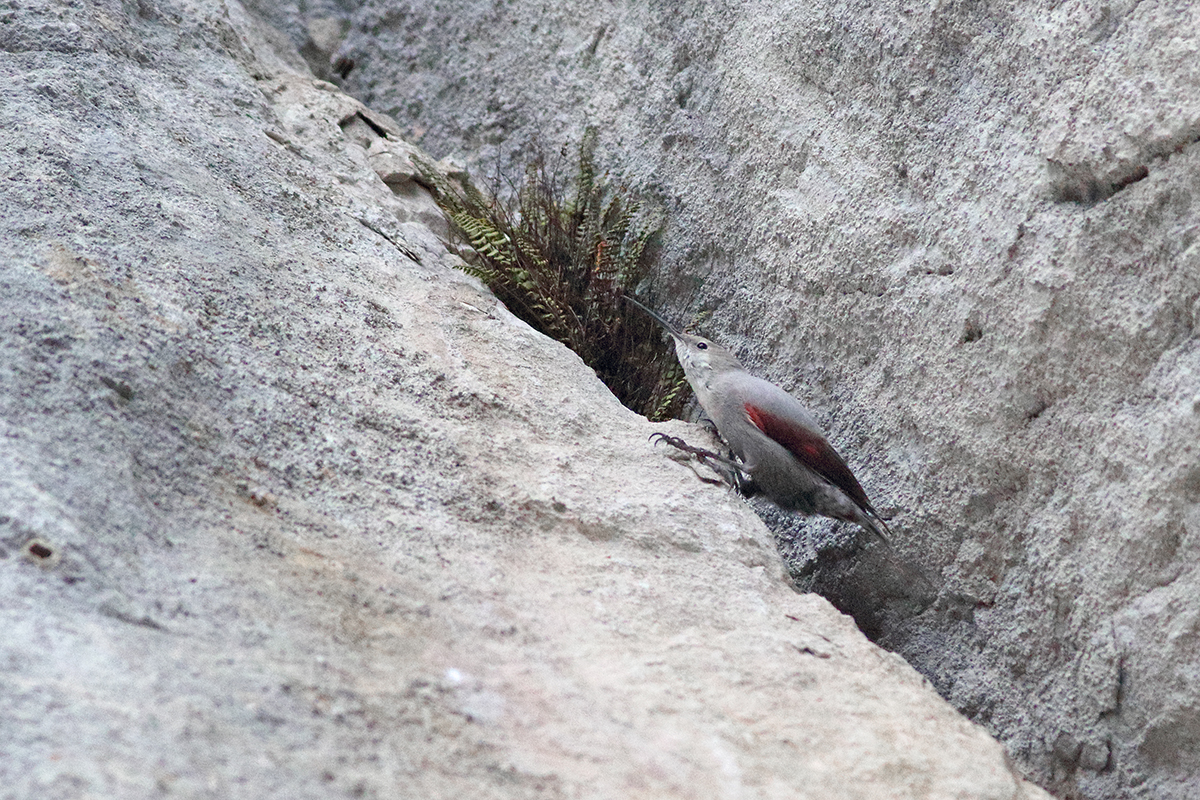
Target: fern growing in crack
(564, 264)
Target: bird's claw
(680, 444)
(732, 473)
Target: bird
(777, 444)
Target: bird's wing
(812, 450)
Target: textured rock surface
(965, 235)
(291, 508)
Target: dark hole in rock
(40, 550)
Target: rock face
(289, 507)
(964, 234)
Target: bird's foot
(746, 487)
(731, 471)
(699, 452)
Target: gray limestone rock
(290, 507)
(965, 235)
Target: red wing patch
(812, 450)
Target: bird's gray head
(701, 358)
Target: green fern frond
(586, 179)
(676, 393)
(484, 273)
(529, 248)
(485, 238)
(564, 264)
(631, 257)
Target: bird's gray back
(739, 389)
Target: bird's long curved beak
(669, 327)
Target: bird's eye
(701, 345)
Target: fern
(564, 266)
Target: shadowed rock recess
(965, 235)
(292, 508)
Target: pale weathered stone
(965, 234)
(323, 519)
